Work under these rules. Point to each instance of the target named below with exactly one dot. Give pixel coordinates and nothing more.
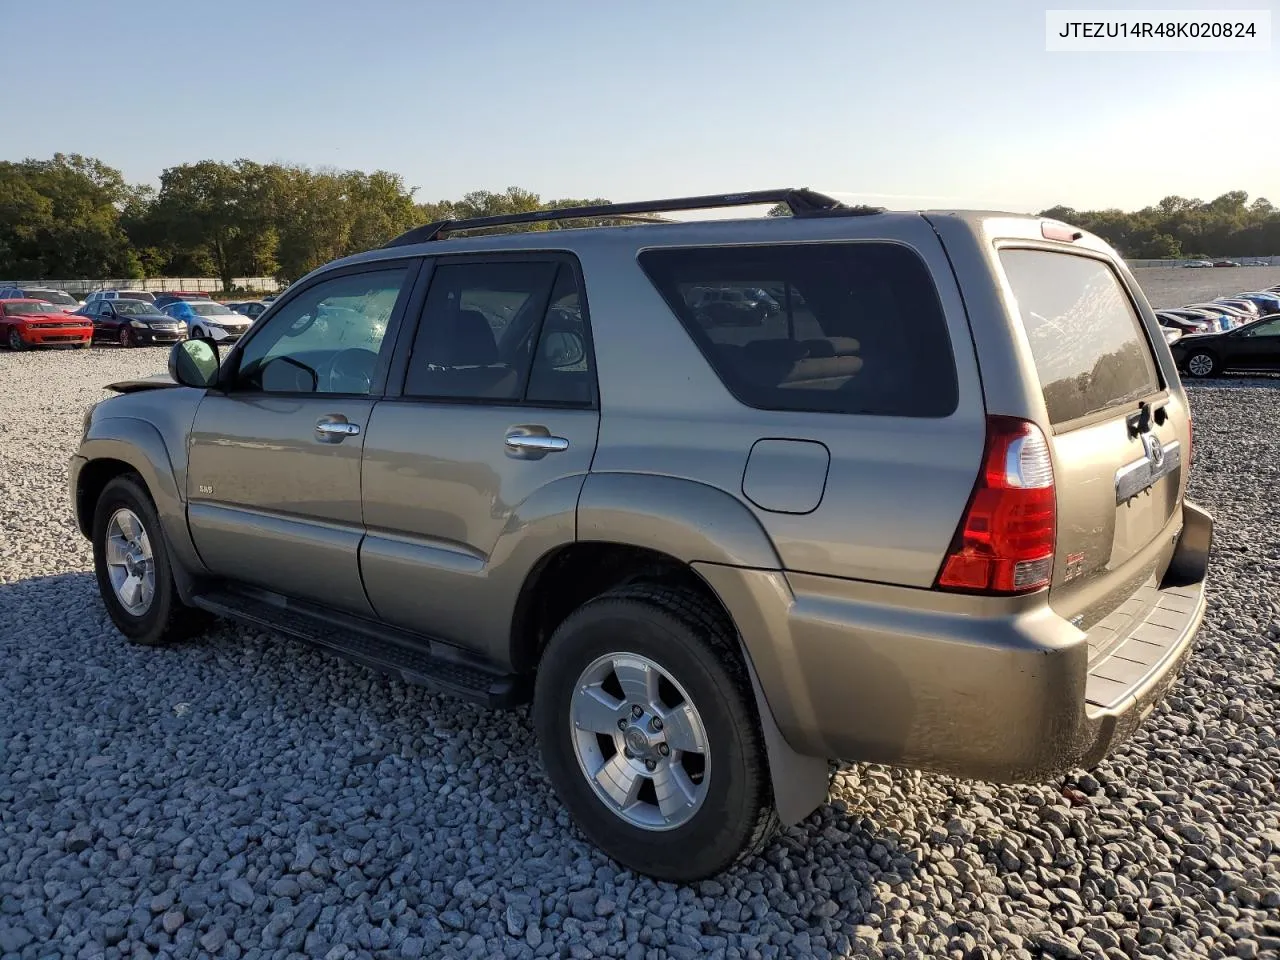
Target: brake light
(1006, 539)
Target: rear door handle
(335, 431)
(535, 443)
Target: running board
(415, 659)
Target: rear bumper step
(415, 660)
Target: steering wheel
(351, 371)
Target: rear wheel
(648, 731)
(1202, 364)
(133, 567)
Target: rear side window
(1087, 341)
(853, 328)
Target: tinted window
(478, 328)
(326, 339)
(134, 308)
(561, 371)
(827, 327)
(54, 296)
(1087, 341)
(211, 309)
(25, 309)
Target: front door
(472, 472)
(1256, 347)
(273, 482)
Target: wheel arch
(119, 445)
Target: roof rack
(802, 201)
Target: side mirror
(194, 363)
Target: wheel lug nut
(628, 754)
(622, 724)
(649, 764)
(637, 712)
(656, 723)
(664, 749)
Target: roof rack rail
(802, 201)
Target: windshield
(133, 308)
(54, 296)
(21, 309)
(211, 309)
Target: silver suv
(929, 511)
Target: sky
(902, 104)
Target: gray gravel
(247, 796)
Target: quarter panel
(896, 487)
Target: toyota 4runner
(929, 511)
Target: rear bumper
(915, 678)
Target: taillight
(1005, 542)
(1191, 439)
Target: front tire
(126, 337)
(16, 343)
(1202, 364)
(648, 731)
(133, 567)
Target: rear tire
(708, 756)
(1202, 364)
(157, 616)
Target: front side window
(852, 328)
(327, 339)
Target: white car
(120, 295)
(209, 319)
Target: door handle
(535, 443)
(334, 431)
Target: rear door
(1119, 436)
(474, 461)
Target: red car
(34, 323)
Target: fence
(1250, 261)
(153, 284)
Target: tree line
(73, 216)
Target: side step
(415, 659)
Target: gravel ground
(247, 796)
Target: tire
(126, 337)
(1202, 364)
(679, 634)
(196, 333)
(163, 617)
(16, 342)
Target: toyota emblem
(1154, 449)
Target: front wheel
(126, 337)
(15, 340)
(131, 560)
(648, 731)
(1202, 365)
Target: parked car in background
(882, 528)
(250, 308)
(1198, 263)
(36, 323)
(1266, 301)
(59, 298)
(133, 322)
(1247, 307)
(166, 297)
(1184, 322)
(1254, 346)
(1170, 334)
(119, 295)
(208, 318)
(1225, 263)
(1235, 314)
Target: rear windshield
(54, 296)
(1087, 341)
(852, 328)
